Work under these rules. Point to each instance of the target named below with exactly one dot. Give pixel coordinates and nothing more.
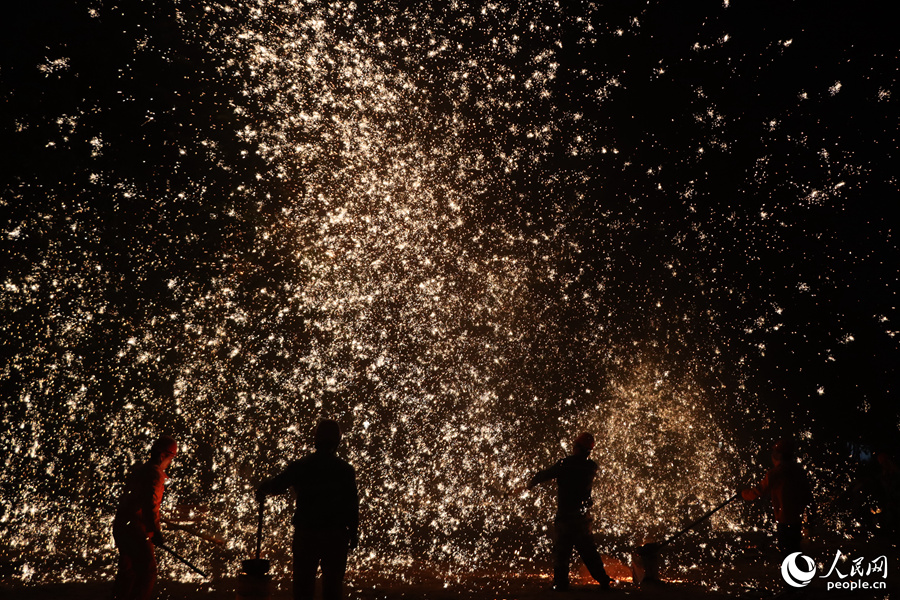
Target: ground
(511, 590)
(701, 569)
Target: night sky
(464, 231)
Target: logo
(846, 572)
(794, 574)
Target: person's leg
(124, 575)
(307, 552)
(587, 549)
(137, 563)
(790, 538)
(146, 571)
(562, 555)
(335, 545)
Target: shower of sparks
(395, 218)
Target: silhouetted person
(326, 519)
(788, 487)
(136, 525)
(574, 477)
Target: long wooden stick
(195, 532)
(183, 560)
(699, 520)
(262, 508)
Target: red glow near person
(136, 527)
(788, 487)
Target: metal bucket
(253, 582)
(645, 564)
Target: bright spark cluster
(414, 238)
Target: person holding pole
(326, 516)
(136, 527)
(574, 477)
(787, 485)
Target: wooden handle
(262, 508)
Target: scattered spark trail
(399, 219)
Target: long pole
(259, 525)
(700, 520)
(193, 531)
(183, 560)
